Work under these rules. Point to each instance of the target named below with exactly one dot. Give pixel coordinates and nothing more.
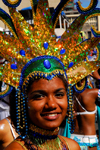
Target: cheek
(64, 104)
(32, 108)
(35, 106)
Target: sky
(86, 3)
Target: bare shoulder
(3, 121)
(3, 127)
(73, 145)
(15, 146)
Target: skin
(85, 124)
(46, 98)
(50, 100)
(6, 136)
(95, 74)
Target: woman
(86, 110)
(38, 66)
(47, 106)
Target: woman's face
(47, 103)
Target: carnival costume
(34, 52)
(85, 140)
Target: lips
(50, 116)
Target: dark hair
(13, 102)
(36, 79)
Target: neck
(44, 139)
(42, 133)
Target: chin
(51, 126)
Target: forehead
(48, 85)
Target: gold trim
(97, 54)
(4, 92)
(81, 87)
(87, 8)
(98, 32)
(21, 144)
(33, 13)
(12, 2)
(43, 131)
(60, 13)
(8, 27)
(42, 73)
(65, 141)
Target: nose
(51, 102)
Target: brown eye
(38, 96)
(59, 95)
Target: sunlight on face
(47, 103)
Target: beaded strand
(70, 108)
(21, 113)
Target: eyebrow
(44, 92)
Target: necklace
(41, 139)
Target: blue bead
(62, 51)
(45, 45)
(23, 137)
(13, 66)
(22, 52)
(26, 129)
(47, 64)
(71, 64)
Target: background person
(86, 109)
(7, 130)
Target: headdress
(34, 51)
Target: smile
(51, 116)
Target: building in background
(94, 21)
(70, 6)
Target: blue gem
(47, 64)
(85, 59)
(62, 51)
(70, 65)
(45, 45)
(23, 137)
(22, 52)
(13, 66)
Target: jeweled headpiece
(34, 51)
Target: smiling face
(47, 103)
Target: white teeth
(51, 114)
